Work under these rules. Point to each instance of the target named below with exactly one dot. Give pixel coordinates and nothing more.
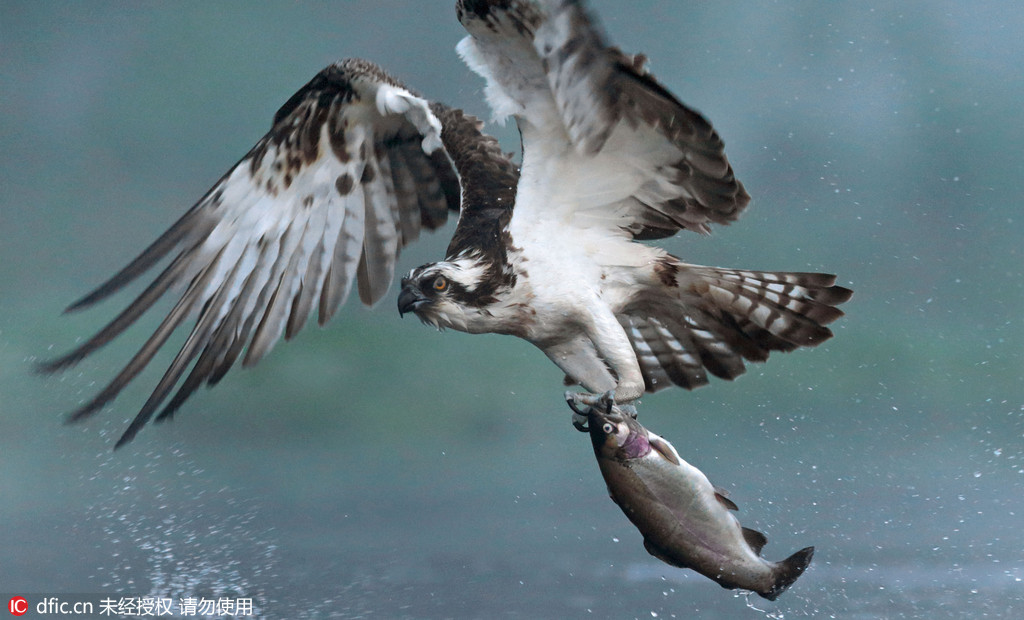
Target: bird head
(435, 293)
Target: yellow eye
(440, 284)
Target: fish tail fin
(787, 571)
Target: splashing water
(177, 539)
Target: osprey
(356, 165)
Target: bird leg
(579, 415)
(582, 403)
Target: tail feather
(793, 307)
(697, 320)
(787, 571)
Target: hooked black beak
(409, 299)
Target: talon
(573, 399)
(583, 402)
(580, 423)
(629, 410)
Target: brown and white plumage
(356, 165)
(351, 171)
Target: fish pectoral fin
(661, 555)
(755, 539)
(723, 499)
(661, 447)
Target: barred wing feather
(351, 171)
(620, 149)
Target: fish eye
(440, 284)
(608, 428)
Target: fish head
(617, 435)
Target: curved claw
(582, 403)
(574, 399)
(604, 401)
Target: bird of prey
(356, 165)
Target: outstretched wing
(351, 171)
(606, 147)
(610, 145)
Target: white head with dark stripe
(448, 294)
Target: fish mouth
(600, 418)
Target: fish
(685, 520)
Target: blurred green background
(377, 466)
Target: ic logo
(18, 606)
